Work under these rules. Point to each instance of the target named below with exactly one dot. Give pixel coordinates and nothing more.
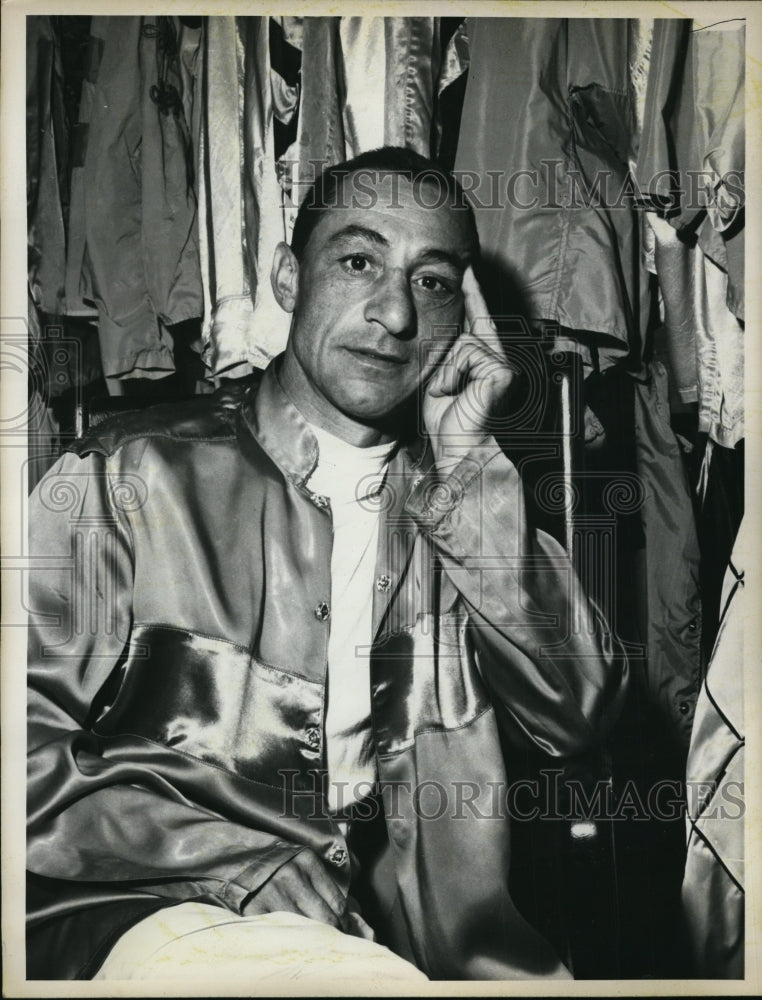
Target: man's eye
(430, 283)
(356, 263)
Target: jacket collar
(285, 435)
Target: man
(278, 635)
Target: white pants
(199, 941)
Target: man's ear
(284, 277)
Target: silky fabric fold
(691, 158)
(547, 115)
(240, 201)
(714, 882)
(140, 264)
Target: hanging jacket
(713, 885)
(672, 624)
(548, 111)
(46, 154)
(140, 264)
(691, 158)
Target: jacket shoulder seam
(89, 446)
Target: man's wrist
(448, 457)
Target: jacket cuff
(236, 892)
(438, 494)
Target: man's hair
(325, 192)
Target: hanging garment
(721, 495)
(413, 68)
(673, 606)
(700, 340)
(141, 255)
(720, 355)
(190, 61)
(320, 136)
(75, 237)
(451, 89)
(363, 61)
(636, 534)
(366, 82)
(286, 34)
(548, 114)
(43, 431)
(713, 886)
(691, 157)
(240, 202)
(674, 338)
(46, 154)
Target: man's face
(379, 299)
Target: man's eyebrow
(433, 255)
(355, 231)
(429, 255)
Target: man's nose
(392, 305)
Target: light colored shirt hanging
(241, 213)
(692, 150)
(700, 340)
(366, 82)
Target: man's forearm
(544, 649)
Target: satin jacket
(133, 227)
(177, 668)
(714, 882)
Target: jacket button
(313, 737)
(684, 707)
(338, 855)
(322, 611)
(693, 625)
(383, 583)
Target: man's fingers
(292, 892)
(469, 356)
(474, 301)
(285, 897)
(304, 886)
(480, 323)
(323, 883)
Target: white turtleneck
(350, 477)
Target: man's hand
(302, 885)
(471, 384)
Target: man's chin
(382, 414)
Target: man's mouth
(378, 358)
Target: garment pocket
(209, 698)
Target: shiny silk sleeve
(556, 674)
(100, 810)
